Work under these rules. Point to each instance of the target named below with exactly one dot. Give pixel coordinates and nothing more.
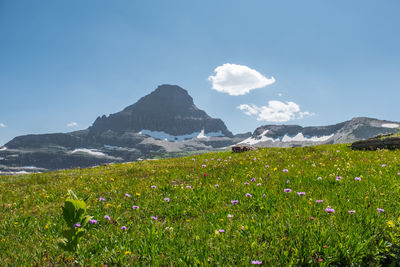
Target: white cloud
(276, 111)
(238, 79)
(72, 124)
(2, 125)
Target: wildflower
(128, 253)
(329, 210)
(337, 151)
(218, 160)
(390, 224)
(102, 199)
(135, 207)
(127, 195)
(245, 183)
(154, 218)
(338, 178)
(77, 225)
(258, 184)
(92, 221)
(380, 210)
(153, 186)
(204, 175)
(319, 178)
(264, 195)
(253, 179)
(166, 199)
(285, 170)
(221, 230)
(193, 159)
(320, 260)
(383, 165)
(287, 190)
(204, 165)
(301, 193)
(256, 262)
(398, 173)
(319, 201)
(123, 228)
(107, 217)
(357, 178)
(188, 186)
(248, 195)
(229, 157)
(275, 169)
(217, 185)
(266, 166)
(352, 211)
(234, 202)
(288, 181)
(312, 218)
(230, 216)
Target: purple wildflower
(288, 181)
(245, 183)
(352, 211)
(383, 165)
(287, 190)
(319, 201)
(204, 165)
(218, 159)
(166, 199)
(266, 166)
(312, 218)
(234, 202)
(123, 228)
(357, 178)
(93, 221)
(301, 193)
(248, 195)
(380, 210)
(102, 199)
(154, 218)
(329, 210)
(258, 184)
(253, 179)
(285, 170)
(319, 178)
(107, 217)
(188, 186)
(77, 225)
(221, 230)
(256, 262)
(135, 207)
(264, 195)
(153, 186)
(216, 185)
(127, 195)
(338, 178)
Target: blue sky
(64, 62)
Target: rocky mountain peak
(169, 109)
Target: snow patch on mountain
(286, 138)
(93, 152)
(390, 125)
(160, 135)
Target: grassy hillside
(215, 208)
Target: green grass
(271, 226)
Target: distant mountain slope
(345, 132)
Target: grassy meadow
(324, 205)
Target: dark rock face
(378, 142)
(169, 109)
